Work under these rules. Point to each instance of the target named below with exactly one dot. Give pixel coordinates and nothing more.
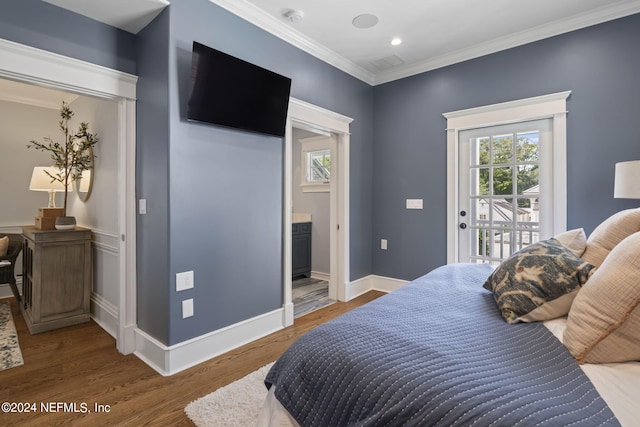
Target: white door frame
(39, 67)
(553, 106)
(310, 117)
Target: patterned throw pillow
(538, 282)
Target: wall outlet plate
(187, 308)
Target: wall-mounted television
(230, 92)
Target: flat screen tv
(230, 92)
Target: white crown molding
(261, 19)
(551, 29)
(258, 17)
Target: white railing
(496, 243)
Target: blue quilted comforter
(435, 353)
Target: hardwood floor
(80, 365)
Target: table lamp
(40, 181)
(627, 180)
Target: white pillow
(574, 240)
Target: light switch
(414, 203)
(184, 280)
(187, 308)
(142, 206)
(383, 244)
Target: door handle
(463, 225)
(463, 213)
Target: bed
(444, 351)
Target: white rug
(10, 354)
(235, 405)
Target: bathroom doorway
(319, 122)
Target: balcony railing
(496, 243)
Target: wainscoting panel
(106, 276)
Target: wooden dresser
(57, 278)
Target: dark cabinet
(301, 249)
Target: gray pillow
(538, 282)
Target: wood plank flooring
(80, 365)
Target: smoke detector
(294, 16)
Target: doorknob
(463, 213)
(463, 225)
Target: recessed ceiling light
(364, 21)
(396, 41)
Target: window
(318, 167)
(316, 163)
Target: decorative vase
(65, 223)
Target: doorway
(502, 185)
(313, 178)
(318, 121)
(37, 67)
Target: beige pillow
(574, 240)
(608, 234)
(604, 321)
(4, 245)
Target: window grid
(498, 236)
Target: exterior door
(504, 186)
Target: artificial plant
(71, 157)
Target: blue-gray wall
(152, 178)
(44, 26)
(214, 195)
(598, 64)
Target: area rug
(310, 295)
(10, 354)
(235, 405)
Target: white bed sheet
(617, 383)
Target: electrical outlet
(184, 280)
(187, 308)
(383, 244)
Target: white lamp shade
(40, 181)
(627, 181)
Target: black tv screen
(228, 91)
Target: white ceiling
(435, 33)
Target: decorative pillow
(538, 282)
(604, 322)
(609, 233)
(4, 245)
(576, 240)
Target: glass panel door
(499, 189)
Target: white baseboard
(320, 276)
(169, 360)
(373, 283)
(105, 314)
